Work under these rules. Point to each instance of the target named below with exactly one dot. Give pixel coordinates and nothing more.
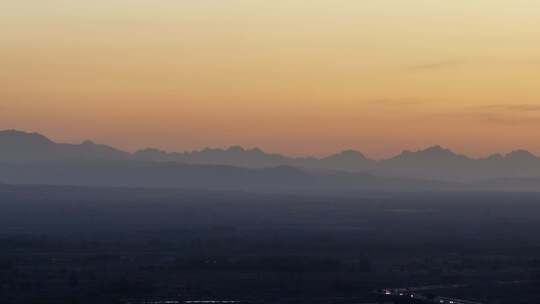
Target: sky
(302, 77)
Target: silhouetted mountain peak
(521, 155)
(239, 149)
(437, 150)
(348, 160)
(21, 136)
(236, 148)
(351, 153)
(347, 155)
(22, 146)
(430, 152)
(151, 154)
(90, 149)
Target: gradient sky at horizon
(303, 77)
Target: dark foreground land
(99, 245)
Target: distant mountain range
(350, 161)
(431, 163)
(18, 146)
(33, 158)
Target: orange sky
(305, 77)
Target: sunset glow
(303, 77)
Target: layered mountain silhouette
(33, 158)
(350, 161)
(17, 146)
(432, 163)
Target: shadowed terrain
(115, 245)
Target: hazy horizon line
(241, 147)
